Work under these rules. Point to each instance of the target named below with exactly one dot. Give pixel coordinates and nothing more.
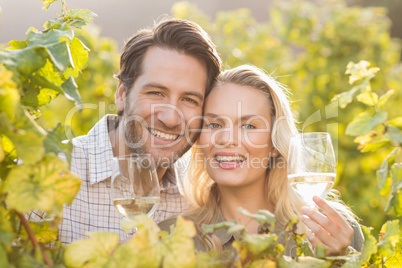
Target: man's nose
(170, 116)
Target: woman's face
(236, 137)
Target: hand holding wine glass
(135, 185)
(311, 174)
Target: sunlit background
(305, 44)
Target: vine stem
(32, 237)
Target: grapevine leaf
(9, 95)
(14, 44)
(396, 122)
(395, 134)
(371, 147)
(368, 98)
(236, 228)
(178, 247)
(80, 16)
(396, 260)
(370, 244)
(210, 228)
(363, 123)
(29, 146)
(359, 71)
(47, 3)
(319, 251)
(345, 98)
(140, 221)
(262, 216)
(6, 230)
(53, 142)
(79, 55)
(44, 231)
(258, 243)
(92, 252)
(60, 55)
(395, 200)
(389, 237)
(45, 186)
(70, 91)
(384, 98)
(382, 173)
(144, 248)
(50, 37)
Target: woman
(239, 160)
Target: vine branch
(32, 237)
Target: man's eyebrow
(162, 87)
(154, 85)
(195, 94)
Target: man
(165, 75)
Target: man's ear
(120, 97)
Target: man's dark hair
(180, 35)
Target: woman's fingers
(331, 229)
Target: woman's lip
(229, 166)
(229, 154)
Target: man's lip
(175, 134)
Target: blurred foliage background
(304, 45)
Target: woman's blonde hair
(203, 192)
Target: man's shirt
(92, 208)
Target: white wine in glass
(311, 165)
(135, 185)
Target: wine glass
(311, 165)
(135, 185)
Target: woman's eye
(248, 126)
(212, 125)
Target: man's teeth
(237, 158)
(162, 135)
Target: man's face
(162, 112)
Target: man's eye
(157, 93)
(248, 126)
(190, 100)
(212, 125)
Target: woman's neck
(251, 200)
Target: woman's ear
(275, 153)
(120, 97)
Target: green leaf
(396, 122)
(70, 91)
(210, 228)
(144, 246)
(384, 98)
(79, 55)
(370, 244)
(319, 251)
(389, 234)
(45, 186)
(45, 232)
(368, 98)
(83, 16)
(345, 98)
(360, 71)
(9, 95)
(140, 221)
(382, 173)
(258, 243)
(178, 247)
(371, 147)
(236, 228)
(53, 142)
(262, 216)
(29, 145)
(395, 200)
(395, 134)
(92, 252)
(17, 44)
(47, 3)
(60, 55)
(363, 123)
